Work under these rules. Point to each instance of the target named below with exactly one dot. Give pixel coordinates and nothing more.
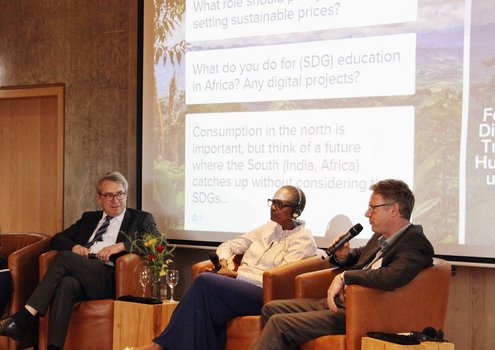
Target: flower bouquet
(153, 246)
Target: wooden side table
(376, 344)
(137, 324)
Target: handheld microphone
(215, 261)
(353, 231)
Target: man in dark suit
(393, 256)
(83, 268)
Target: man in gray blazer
(83, 269)
(393, 256)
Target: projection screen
(241, 97)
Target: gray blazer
(403, 260)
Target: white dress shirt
(110, 236)
(267, 247)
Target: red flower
(160, 248)
(151, 257)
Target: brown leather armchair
(22, 250)
(91, 323)
(278, 283)
(421, 303)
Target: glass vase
(163, 288)
(155, 290)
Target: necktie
(100, 232)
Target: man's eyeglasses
(110, 196)
(372, 208)
(279, 204)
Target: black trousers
(69, 279)
(5, 289)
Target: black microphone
(353, 231)
(215, 261)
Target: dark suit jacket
(403, 260)
(134, 224)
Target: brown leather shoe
(9, 328)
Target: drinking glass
(144, 278)
(172, 280)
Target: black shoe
(9, 328)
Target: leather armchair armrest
(200, 267)
(366, 309)
(314, 284)
(23, 265)
(278, 283)
(426, 295)
(242, 332)
(126, 280)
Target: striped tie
(100, 232)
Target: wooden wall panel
(471, 311)
(31, 159)
(90, 46)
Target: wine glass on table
(172, 280)
(144, 277)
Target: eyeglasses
(277, 204)
(110, 196)
(372, 208)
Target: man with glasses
(393, 256)
(83, 268)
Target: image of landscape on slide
(437, 100)
(480, 163)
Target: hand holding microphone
(219, 268)
(215, 261)
(353, 231)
